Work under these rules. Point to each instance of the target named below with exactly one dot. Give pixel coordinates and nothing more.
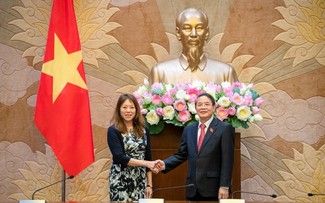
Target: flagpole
(63, 186)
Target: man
(210, 164)
(193, 31)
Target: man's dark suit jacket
(210, 168)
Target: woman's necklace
(130, 130)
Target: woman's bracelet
(149, 186)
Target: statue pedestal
(165, 144)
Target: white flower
(181, 94)
(191, 108)
(146, 82)
(146, 100)
(224, 101)
(243, 113)
(152, 118)
(258, 117)
(168, 87)
(169, 113)
(243, 90)
(225, 85)
(197, 84)
(142, 89)
(211, 91)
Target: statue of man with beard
(193, 31)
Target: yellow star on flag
(63, 68)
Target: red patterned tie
(202, 135)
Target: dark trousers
(199, 197)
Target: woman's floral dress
(129, 183)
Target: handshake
(155, 166)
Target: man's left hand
(223, 193)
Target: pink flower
(248, 100)
(167, 99)
(157, 88)
(144, 111)
(229, 92)
(237, 99)
(255, 109)
(181, 86)
(184, 116)
(193, 93)
(222, 114)
(140, 101)
(137, 95)
(156, 99)
(156, 85)
(237, 84)
(172, 91)
(218, 88)
(259, 101)
(231, 111)
(180, 105)
(213, 86)
(159, 111)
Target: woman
(129, 141)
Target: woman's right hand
(150, 164)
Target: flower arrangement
(160, 103)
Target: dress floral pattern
(129, 183)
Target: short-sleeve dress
(129, 183)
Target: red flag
(62, 108)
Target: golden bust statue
(193, 31)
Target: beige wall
(278, 45)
